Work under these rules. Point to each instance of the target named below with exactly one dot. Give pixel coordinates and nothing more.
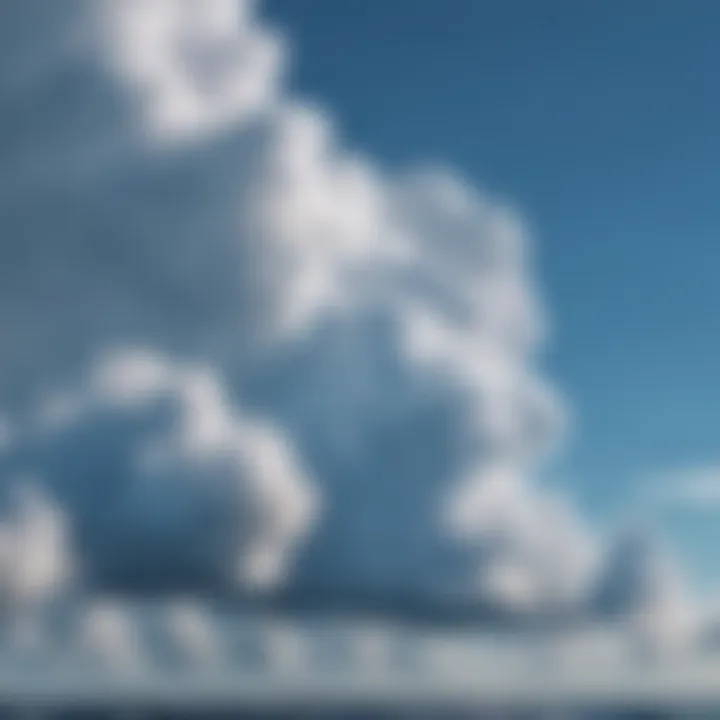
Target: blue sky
(599, 120)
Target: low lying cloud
(107, 635)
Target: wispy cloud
(692, 488)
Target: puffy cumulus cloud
(635, 575)
(37, 565)
(405, 369)
(108, 241)
(172, 194)
(640, 586)
(164, 482)
(399, 312)
(193, 66)
(533, 551)
(36, 559)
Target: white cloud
(194, 66)
(191, 633)
(164, 481)
(536, 551)
(586, 668)
(108, 634)
(696, 488)
(640, 585)
(386, 323)
(35, 556)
